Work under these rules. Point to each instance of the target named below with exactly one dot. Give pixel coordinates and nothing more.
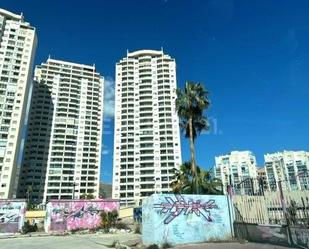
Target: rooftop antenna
(161, 49)
(49, 56)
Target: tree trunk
(192, 150)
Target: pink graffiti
(180, 205)
(80, 214)
(12, 214)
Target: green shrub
(75, 230)
(153, 246)
(93, 230)
(28, 228)
(108, 219)
(166, 245)
(87, 196)
(137, 228)
(121, 225)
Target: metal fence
(284, 207)
(257, 186)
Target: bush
(108, 219)
(87, 196)
(93, 230)
(137, 228)
(121, 225)
(153, 246)
(28, 228)
(166, 245)
(75, 230)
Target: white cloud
(109, 97)
(105, 150)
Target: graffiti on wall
(177, 206)
(11, 215)
(181, 219)
(71, 215)
(66, 212)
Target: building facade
(237, 169)
(147, 139)
(262, 179)
(63, 148)
(290, 168)
(17, 48)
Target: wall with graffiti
(289, 236)
(12, 215)
(66, 215)
(181, 219)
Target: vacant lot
(104, 241)
(66, 242)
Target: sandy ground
(104, 241)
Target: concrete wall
(126, 212)
(12, 214)
(273, 234)
(300, 237)
(66, 215)
(181, 219)
(35, 214)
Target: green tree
(190, 105)
(29, 193)
(108, 219)
(87, 196)
(203, 183)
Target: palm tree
(183, 180)
(184, 183)
(190, 105)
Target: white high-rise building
(17, 48)
(63, 148)
(236, 169)
(262, 178)
(147, 139)
(291, 168)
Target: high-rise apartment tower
(236, 169)
(290, 168)
(147, 139)
(17, 47)
(63, 148)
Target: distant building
(262, 179)
(291, 168)
(236, 169)
(63, 148)
(17, 48)
(105, 190)
(147, 138)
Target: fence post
(231, 213)
(260, 186)
(287, 226)
(282, 202)
(252, 186)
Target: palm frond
(184, 182)
(191, 104)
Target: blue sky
(252, 56)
